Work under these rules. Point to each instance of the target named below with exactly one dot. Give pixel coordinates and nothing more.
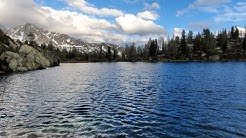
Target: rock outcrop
(15, 57)
(26, 59)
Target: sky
(124, 21)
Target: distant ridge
(61, 41)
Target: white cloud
(132, 24)
(236, 13)
(131, 1)
(199, 25)
(88, 8)
(177, 32)
(125, 28)
(14, 12)
(149, 6)
(203, 5)
(241, 7)
(151, 15)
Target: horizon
(124, 21)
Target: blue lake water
(126, 100)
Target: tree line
(204, 46)
(225, 45)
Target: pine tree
(209, 41)
(222, 40)
(197, 43)
(190, 37)
(183, 44)
(115, 53)
(109, 54)
(153, 49)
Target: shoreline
(158, 61)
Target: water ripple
(125, 100)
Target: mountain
(61, 41)
(2, 28)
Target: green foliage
(131, 52)
(209, 41)
(197, 43)
(222, 40)
(183, 45)
(109, 54)
(190, 37)
(50, 46)
(153, 49)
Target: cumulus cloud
(152, 6)
(14, 12)
(236, 13)
(132, 24)
(88, 8)
(177, 32)
(125, 28)
(203, 5)
(150, 15)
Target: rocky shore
(17, 58)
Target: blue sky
(168, 12)
(123, 21)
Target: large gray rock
(28, 58)
(34, 55)
(14, 60)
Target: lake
(126, 100)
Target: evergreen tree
(190, 37)
(109, 54)
(153, 49)
(234, 33)
(209, 41)
(222, 40)
(183, 44)
(197, 43)
(132, 53)
(140, 52)
(50, 46)
(100, 56)
(115, 54)
(63, 55)
(172, 48)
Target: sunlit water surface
(125, 100)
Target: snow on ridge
(61, 41)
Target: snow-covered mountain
(3, 28)
(42, 36)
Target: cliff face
(15, 58)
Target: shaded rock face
(28, 58)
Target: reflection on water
(125, 100)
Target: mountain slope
(61, 41)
